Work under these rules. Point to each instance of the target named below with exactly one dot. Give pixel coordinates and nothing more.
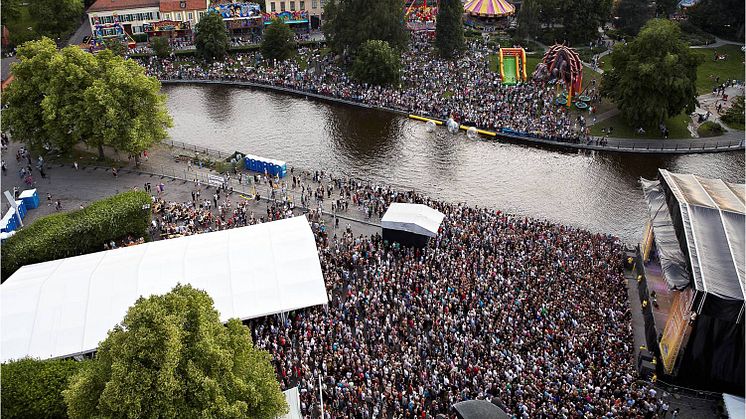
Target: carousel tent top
(489, 8)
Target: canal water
(596, 191)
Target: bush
(693, 35)
(278, 41)
(710, 129)
(734, 116)
(33, 388)
(140, 37)
(376, 63)
(77, 232)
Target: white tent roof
(712, 213)
(67, 306)
(412, 218)
(292, 398)
(734, 405)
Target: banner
(215, 180)
(676, 328)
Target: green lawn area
(677, 127)
(730, 68)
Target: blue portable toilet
(30, 197)
(282, 169)
(21, 209)
(9, 221)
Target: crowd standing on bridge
(465, 89)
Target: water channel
(596, 191)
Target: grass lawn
(677, 127)
(730, 68)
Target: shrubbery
(78, 232)
(33, 388)
(710, 129)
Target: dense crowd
(530, 314)
(465, 89)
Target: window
(292, 6)
(314, 4)
(282, 6)
(137, 29)
(201, 15)
(178, 17)
(167, 16)
(302, 5)
(191, 16)
(272, 7)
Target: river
(596, 191)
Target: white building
(133, 15)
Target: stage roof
(712, 214)
(67, 306)
(413, 218)
(489, 8)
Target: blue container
(10, 221)
(21, 209)
(30, 197)
(283, 169)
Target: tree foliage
(724, 18)
(171, 357)
(528, 19)
(350, 23)
(9, 11)
(161, 46)
(580, 19)
(632, 15)
(278, 43)
(211, 38)
(33, 388)
(77, 232)
(735, 114)
(59, 99)
(116, 47)
(653, 77)
(376, 63)
(56, 18)
(449, 29)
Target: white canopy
(712, 214)
(413, 218)
(734, 405)
(292, 398)
(67, 306)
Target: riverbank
(731, 141)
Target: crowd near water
(529, 314)
(465, 89)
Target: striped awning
(489, 8)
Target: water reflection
(599, 192)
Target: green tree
(632, 15)
(60, 98)
(582, 18)
(10, 10)
(350, 23)
(528, 19)
(278, 43)
(171, 357)
(653, 77)
(449, 28)
(664, 8)
(33, 388)
(161, 46)
(211, 37)
(116, 47)
(56, 18)
(724, 18)
(376, 63)
(735, 114)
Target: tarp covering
(292, 398)
(673, 260)
(413, 218)
(734, 405)
(479, 409)
(67, 306)
(489, 8)
(712, 213)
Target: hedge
(710, 129)
(33, 388)
(78, 232)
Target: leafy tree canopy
(376, 63)
(632, 15)
(580, 19)
(350, 23)
(33, 388)
(61, 98)
(724, 18)
(56, 18)
(171, 357)
(653, 77)
(211, 39)
(449, 30)
(160, 46)
(278, 43)
(528, 19)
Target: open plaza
(237, 209)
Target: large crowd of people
(529, 314)
(465, 89)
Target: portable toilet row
(28, 199)
(260, 164)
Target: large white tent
(67, 306)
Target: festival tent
(734, 406)
(489, 8)
(292, 398)
(66, 307)
(478, 409)
(411, 224)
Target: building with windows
(315, 8)
(140, 16)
